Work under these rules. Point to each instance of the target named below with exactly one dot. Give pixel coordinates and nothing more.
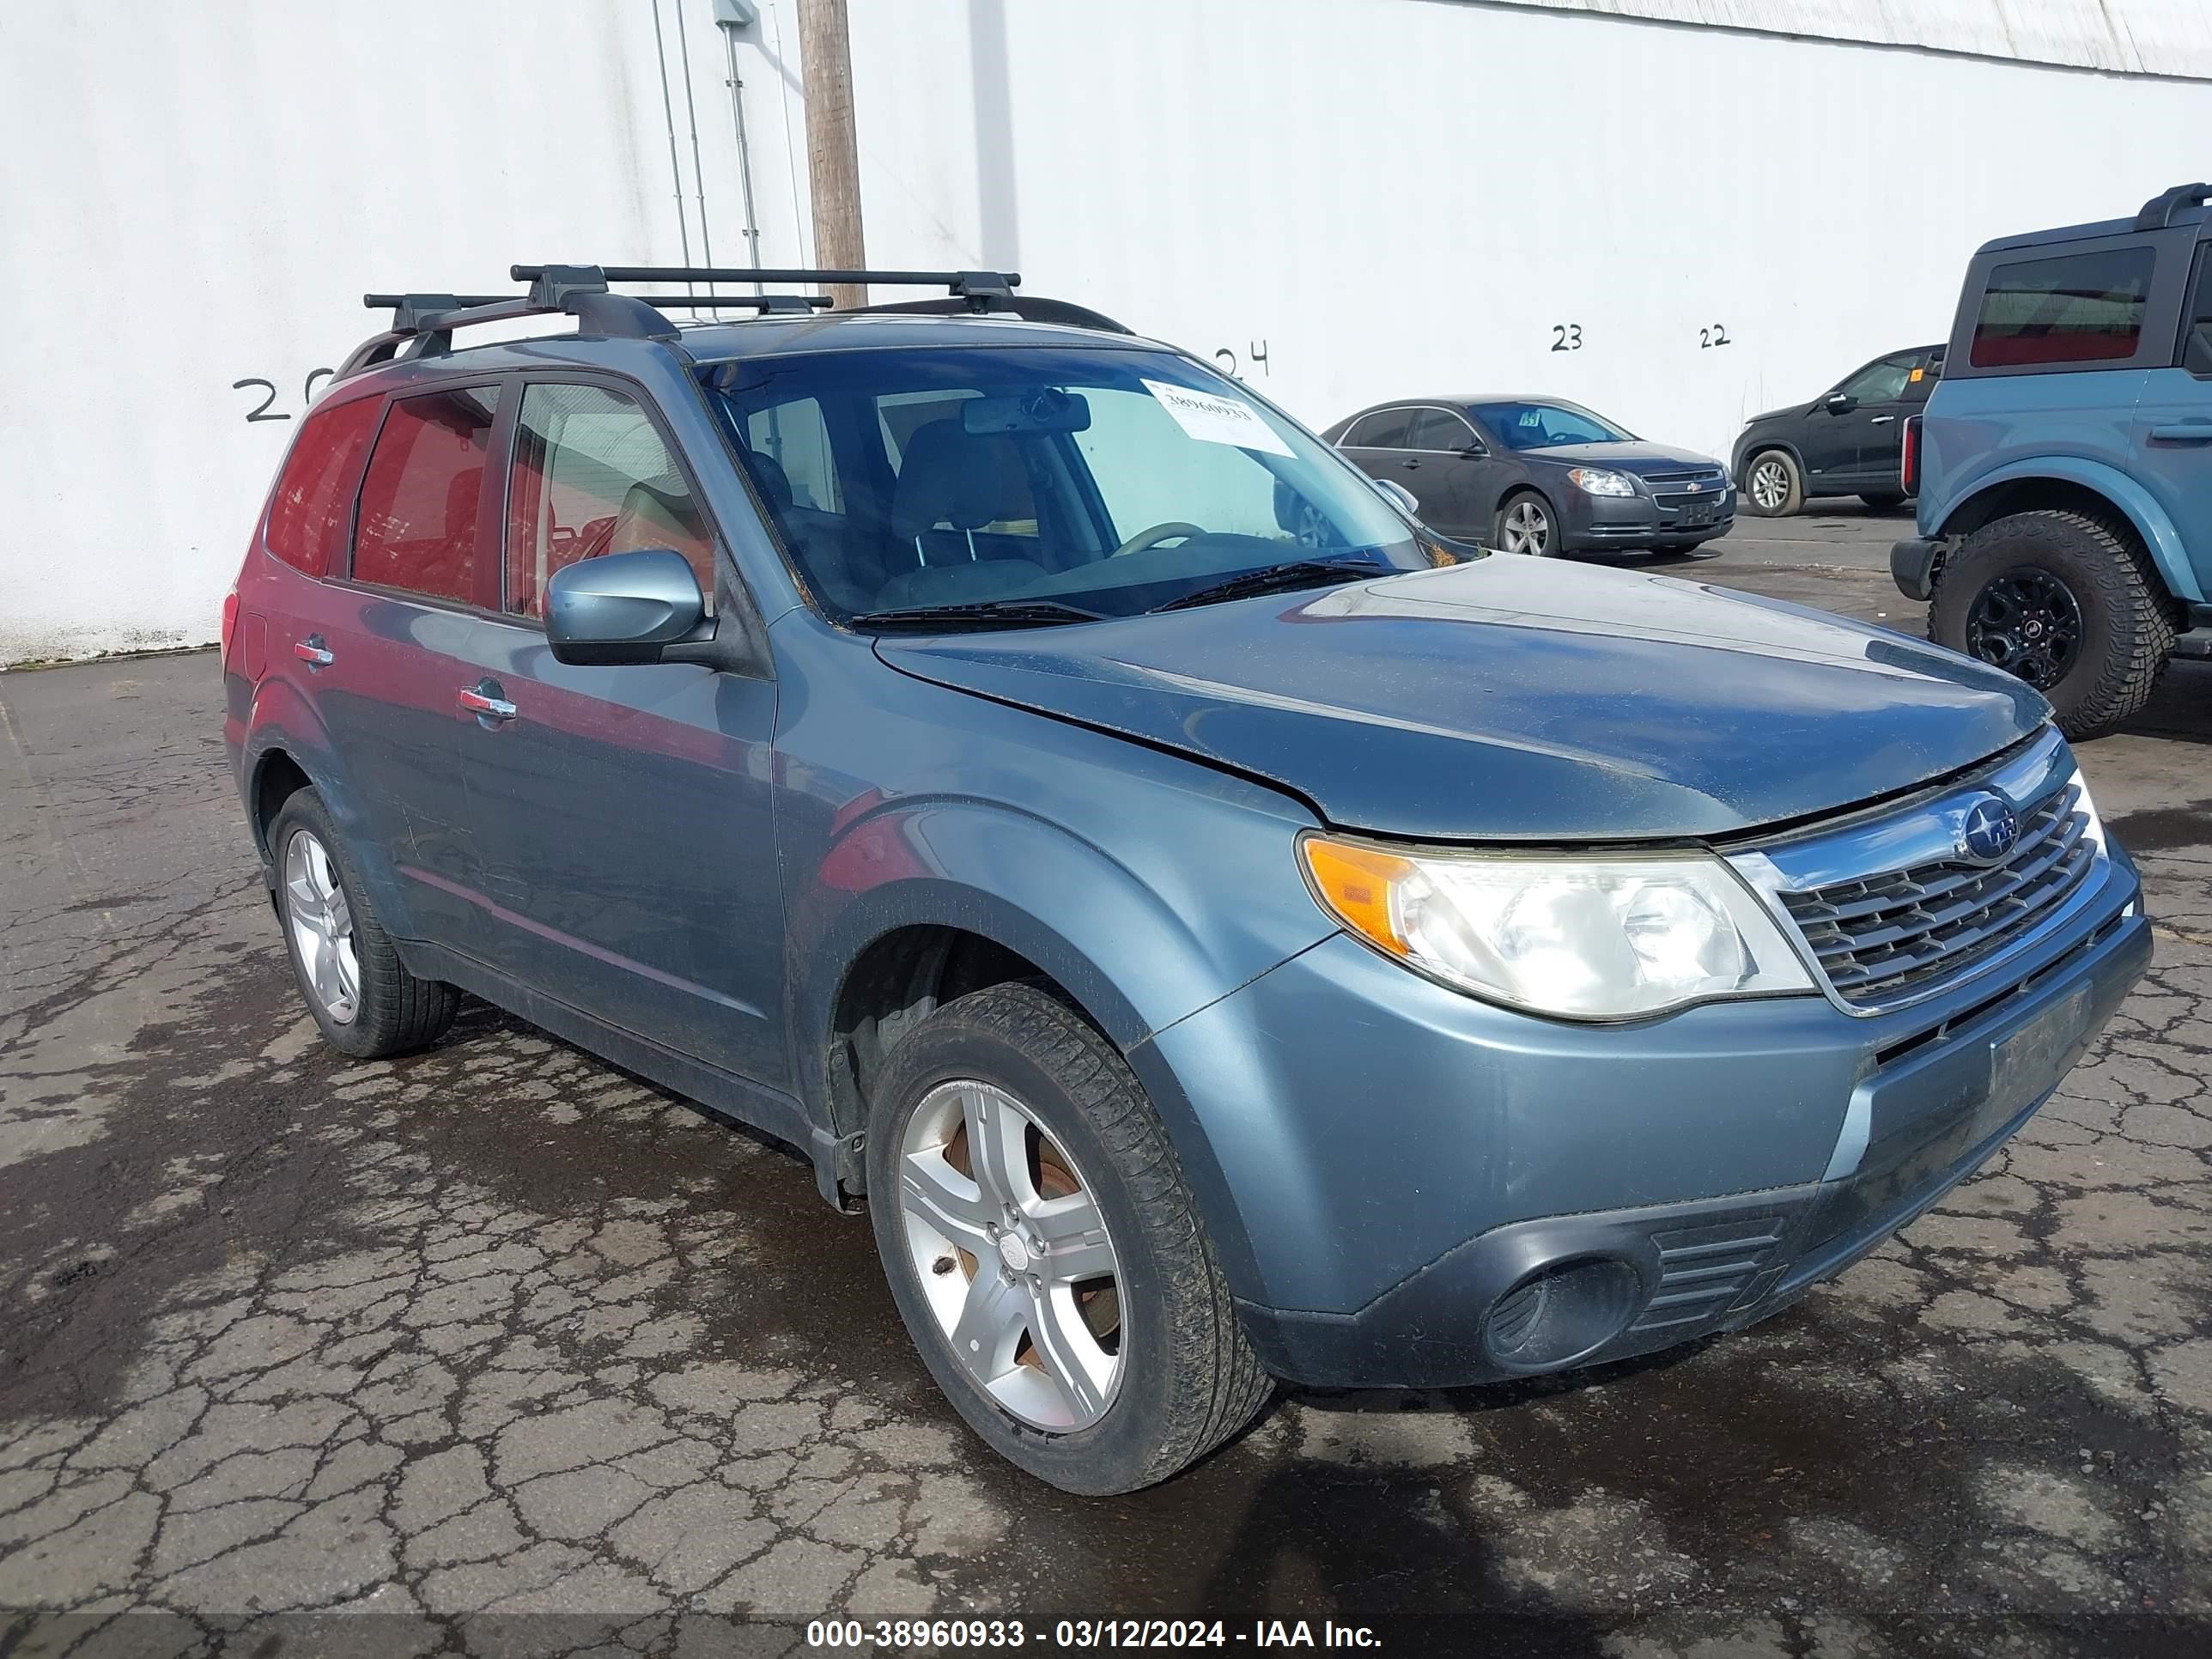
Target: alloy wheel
(1013, 1256)
(2027, 622)
(1770, 484)
(321, 922)
(1528, 528)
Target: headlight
(1597, 481)
(1579, 937)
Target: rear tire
(350, 973)
(2012, 586)
(1774, 486)
(1180, 1378)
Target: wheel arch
(2071, 484)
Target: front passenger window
(593, 476)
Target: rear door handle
(2184, 432)
(1412, 464)
(313, 651)
(490, 708)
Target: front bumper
(1403, 1163)
(1590, 522)
(1913, 563)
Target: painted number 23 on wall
(266, 408)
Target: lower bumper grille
(1907, 930)
(1704, 1271)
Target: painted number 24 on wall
(265, 410)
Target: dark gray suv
(1215, 932)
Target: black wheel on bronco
(2066, 602)
(1045, 1251)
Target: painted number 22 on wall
(266, 411)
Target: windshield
(1540, 426)
(1103, 480)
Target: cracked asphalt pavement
(497, 1349)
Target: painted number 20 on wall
(266, 409)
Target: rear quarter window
(2079, 308)
(312, 509)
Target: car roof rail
(2158, 212)
(422, 324)
(1029, 307)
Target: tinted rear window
(2084, 308)
(313, 506)
(419, 504)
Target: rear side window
(419, 521)
(2084, 308)
(1384, 429)
(591, 476)
(1438, 428)
(312, 508)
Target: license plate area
(2027, 1064)
(1700, 513)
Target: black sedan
(1538, 475)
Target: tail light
(229, 622)
(1909, 467)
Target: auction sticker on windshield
(1217, 420)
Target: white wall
(1393, 195)
(1411, 195)
(197, 191)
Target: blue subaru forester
(1219, 932)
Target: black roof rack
(422, 324)
(2158, 212)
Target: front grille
(1705, 1270)
(1704, 498)
(1700, 474)
(1909, 932)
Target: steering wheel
(1154, 537)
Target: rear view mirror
(1046, 409)
(1838, 403)
(1475, 451)
(623, 607)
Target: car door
(1851, 425)
(624, 813)
(1445, 465)
(2172, 434)
(390, 636)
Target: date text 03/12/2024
(1069, 1634)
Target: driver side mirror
(1839, 403)
(626, 608)
(1475, 451)
(1399, 496)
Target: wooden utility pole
(833, 157)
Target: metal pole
(692, 113)
(832, 150)
(737, 86)
(675, 166)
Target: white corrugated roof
(2128, 37)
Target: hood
(1637, 458)
(1515, 698)
(1787, 412)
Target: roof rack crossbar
(2158, 212)
(984, 290)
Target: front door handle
(2184, 432)
(486, 704)
(1881, 420)
(313, 651)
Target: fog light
(1561, 1314)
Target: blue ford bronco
(1216, 932)
(2064, 465)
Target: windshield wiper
(1280, 579)
(984, 613)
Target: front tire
(1526, 524)
(350, 973)
(1773, 484)
(1045, 1251)
(2065, 602)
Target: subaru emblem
(1989, 831)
